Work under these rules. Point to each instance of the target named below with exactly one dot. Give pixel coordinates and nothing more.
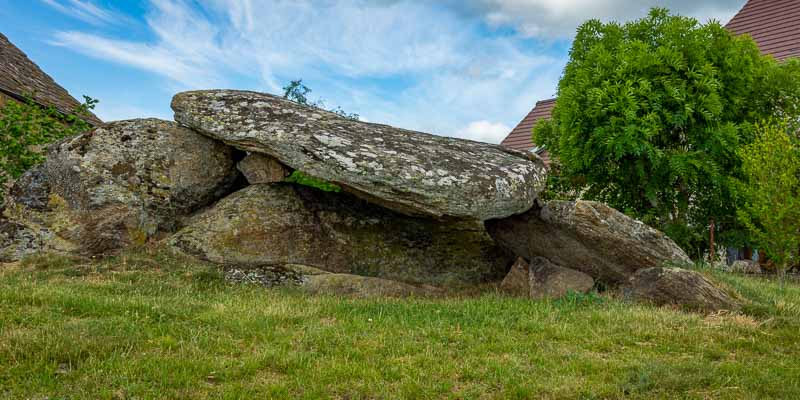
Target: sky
(462, 68)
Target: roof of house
(520, 137)
(21, 78)
(773, 24)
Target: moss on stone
(301, 178)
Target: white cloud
(155, 59)
(86, 11)
(559, 19)
(418, 65)
(443, 73)
(485, 131)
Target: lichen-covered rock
(679, 287)
(118, 184)
(259, 168)
(348, 285)
(16, 241)
(265, 275)
(586, 236)
(281, 224)
(541, 279)
(410, 172)
(745, 267)
(31, 190)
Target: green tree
(650, 116)
(770, 192)
(297, 92)
(26, 129)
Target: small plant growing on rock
(298, 92)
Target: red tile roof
(520, 137)
(773, 24)
(20, 77)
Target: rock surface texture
(281, 224)
(541, 279)
(17, 241)
(517, 281)
(586, 236)
(259, 168)
(410, 172)
(745, 267)
(118, 184)
(548, 280)
(679, 287)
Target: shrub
(25, 130)
(770, 192)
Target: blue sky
(465, 68)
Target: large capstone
(410, 172)
(283, 224)
(587, 236)
(116, 185)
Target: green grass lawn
(154, 326)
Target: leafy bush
(26, 129)
(650, 116)
(771, 192)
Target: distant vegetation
(27, 128)
(652, 116)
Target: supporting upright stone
(587, 236)
(259, 168)
(542, 279)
